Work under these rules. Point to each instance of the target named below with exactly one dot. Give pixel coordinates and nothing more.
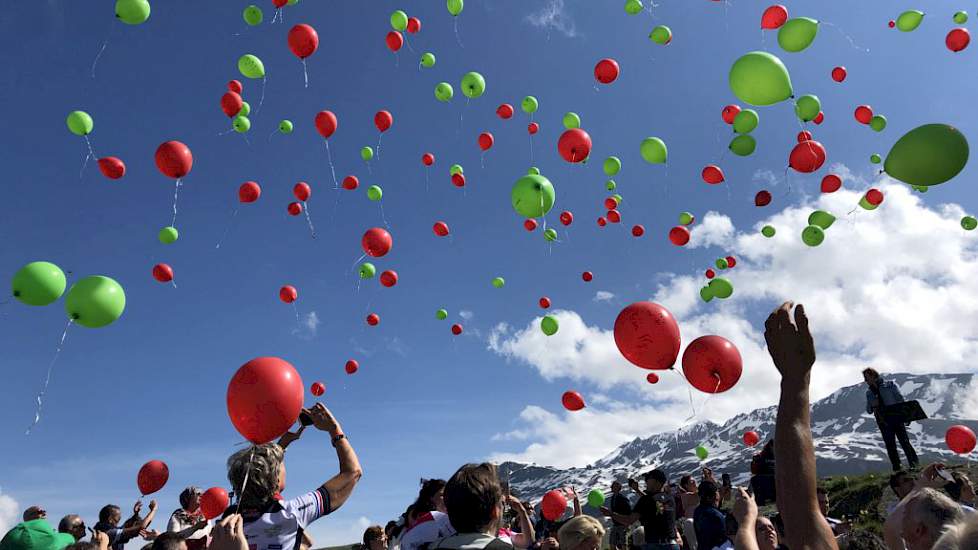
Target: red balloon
(441, 229)
(638, 230)
(712, 364)
(249, 192)
(153, 476)
(553, 505)
(413, 25)
(807, 156)
(804, 136)
(960, 439)
(288, 294)
(350, 183)
(458, 179)
(383, 120)
(318, 388)
(957, 40)
(530, 224)
(611, 203)
(235, 86)
(173, 159)
(264, 399)
(388, 278)
(302, 191)
(613, 216)
(606, 71)
(819, 118)
(485, 141)
(891, 23)
(352, 365)
(762, 198)
(373, 319)
(729, 113)
(572, 401)
(839, 74)
(602, 221)
(710, 274)
(831, 183)
(751, 438)
(214, 502)
(864, 114)
(587, 276)
(874, 196)
(532, 128)
(456, 329)
(731, 261)
(295, 208)
(326, 123)
(545, 302)
(679, 235)
(652, 378)
(376, 242)
(647, 335)
(279, 3)
(231, 103)
(394, 41)
(774, 16)
(566, 217)
(427, 159)
(504, 111)
(574, 145)
(712, 174)
(112, 167)
(303, 40)
(163, 273)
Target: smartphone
(725, 480)
(505, 486)
(305, 418)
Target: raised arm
(149, 517)
(793, 351)
(577, 503)
(745, 511)
(526, 536)
(340, 486)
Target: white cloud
(603, 296)
(466, 314)
(766, 176)
(553, 16)
(9, 512)
(338, 531)
(714, 229)
(308, 327)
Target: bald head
(73, 525)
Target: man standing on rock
(880, 395)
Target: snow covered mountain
(847, 440)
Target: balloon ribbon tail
(47, 379)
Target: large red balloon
(566, 217)
(112, 167)
(264, 399)
(302, 191)
(554, 505)
(388, 278)
(413, 25)
(712, 364)
(864, 114)
(679, 235)
(751, 438)
(647, 335)
(174, 159)
(504, 111)
(350, 183)
(303, 40)
(957, 39)
(231, 103)
(288, 294)
(606, 71)
(572, 401)
(153, 476)
(163, 273)
(249, 191)
(383, 120)
(762, 198)
(376, 242)
(394, 41)
(729, 113)
(839, 74)
(807, 156)
(774, 16)
(427, 159)
(712, 174)
(574, 145)
(831, 183)
(960, 439)
(213, 502)
(326, 123)
(440, 229)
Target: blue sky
(153, 384)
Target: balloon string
(173, 282)
(369, 171)
(261, 100)
(408, 44)
(847, 37)
(531, 147)
(47, 379)
(382, 216)
(457, 37)
(355, 262)
(332, 170)
(312, 230)
(425, 179)
(482, 159)
(305, 72)
(176, 194)
(228, 228)
(295, 308)
(380, 138)
(91, 154)
(99, 54)
(397, 60)
(247, 474)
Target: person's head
(961, 489)
(823, 500)
(169, 541)
(709, 493)
(390, 528)
(902, 483)
(110, 514)
(687, 483)
(374, 538)
(431, 496)
(730, 525)
(73, 525)
(655, 480)
(265, 469)
(926, 514)
(871, 376)
(860, 539)
(766, 533)
(473, 498)
(35, 512)
(615, 487)
(190, 499)
(581, 533)
(963, 535)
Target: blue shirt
(708, 522)
(889, 393)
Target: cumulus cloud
(714, 229)
(466, 314)
(603, 296)
(9, 512)
(308, 326)
(553, 16)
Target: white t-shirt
(280, 526)
(429, 528)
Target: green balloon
(498, 282)
(250, 66)
(961, 17)
(533, 196)
(928, 155)
(253, 15)
(473, 85)
(812, 235)
(168, 235)
(759, 78)
(866, 205)
(595, 498)
(878, 123)
(529, 105)
(367, 270)
(633, 7)
(457, 169)
(743, 145)
(367, 153)
(132, 12)
(611, 166)
(455, 6)
(399, 20)
(661, 35)
(292, 2)
(245, 109)
(441, 314)
(746, 121)
(919, 188)
(241, 124)
(654, 150)
(909, 20)
(285, 127)
(550, 235)
(617, 198)
(706, 293)
(821, 218)
(444, 92)
(375, 193)
(807, 107)
(768, 231)
(610, 185)
(428, 60)
(721, 288)
(875, 159)
(39, 283)
(969, 223)
(701, 452)
(686, 218)
(95, 301)
(80, 123)
(533, 171)
(797, 34)
(721, 263)
(549, 325)
(571, 121)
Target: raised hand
(323, 420)
(744, 508)
(790, 344)
(229, 534)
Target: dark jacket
(889, 393)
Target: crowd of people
(474, 510)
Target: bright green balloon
(245, 109)
(768, 231)
(132, 12)
(250, 66)
(498, 282)
(743, 145)
(285, 127)
(654, 150)
(928, 155)
(821, 218)
(759, 78)
(529, 105)
(919, 188)
(441, 314)
(610, 185)
(457, 169)
(241, 124)
(367, 270)
(533, 196)
(878, 123)
(533, 171)
(550, 235)
(812, 235)
(875, 159)
(168, 235)
(95, 301)
(549, 325)
(611, 166)
(455, 6)
(595, 498)
(807, 107)
(428, 60)
(571, 121)
(38, 283)
(661, 35)
(253, 15)
(706, 293)
(686, 218)
(797, 34)
(969, 223)
(863, 202)
(617, 198)
(961, 17)
(292, 2)
(721, 263)
(444, 92)
(80, 123)
(701, 452)
(399, 20)
(746, 121)
(473, 85)
(909, 20)
(375, 193)
(633, 7)
(720, 287)
(367, 153)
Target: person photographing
(881, 395)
